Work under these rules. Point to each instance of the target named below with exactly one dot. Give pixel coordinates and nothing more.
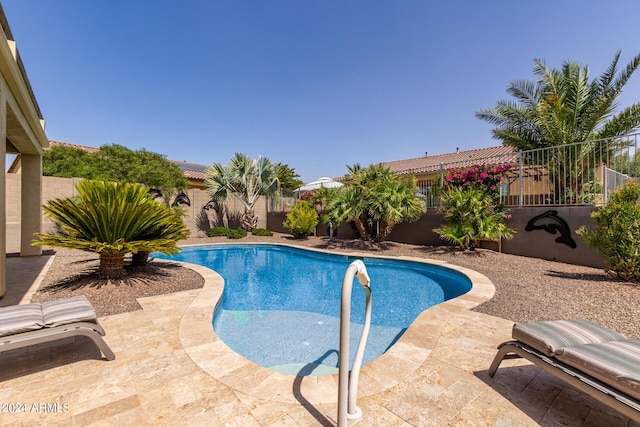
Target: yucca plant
(113, 219)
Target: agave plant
(113, 219)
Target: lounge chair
(597, 361)
(30, 324)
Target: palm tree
(113, 219)
(375, 199)
(563, 107)
(245, 179)
(471, 216)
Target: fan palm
(246, 179)
(375, 199)
(471, 216)
(113, 219)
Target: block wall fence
(537, 243)
(197, 218)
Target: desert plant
(302, 220)
(375, 199)
(113, 219)
(173, 228)
(471, 216)
(562, 106)
(245, 179)
(617, 233)
(261, 232)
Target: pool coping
(395, 366)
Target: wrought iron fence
(583, 173)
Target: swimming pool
(280, 304)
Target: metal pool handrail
(348, 384)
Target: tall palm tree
(245, 179)
(563, 107)
(375, 199)
(113, 219)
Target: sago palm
(113, 219)
(246, 179)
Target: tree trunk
(140, 258)
(111, 266)
(361, 229)
(250, 220)
(385, 230)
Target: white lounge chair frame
(44, 335)
(615, 399)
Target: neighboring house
(561, 175)
(429, 171)
(22, 133)
(195, 173)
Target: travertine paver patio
(170, 369)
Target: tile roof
(499, 154)
(192, 171)
(67, 144)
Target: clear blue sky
(313, 84)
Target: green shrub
(237, 233)
(218, 232)
(230, 233)
(471, 216)
(302, 220)
(261, 232)
(617, 233)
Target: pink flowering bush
(471, 206)
(313, 199)
(484, 177)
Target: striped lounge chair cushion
(20, 318)
(616, 363)
(553, 337)
(68, 310)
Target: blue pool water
(280, 306)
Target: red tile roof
(500, 154)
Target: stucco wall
(542, 244)
(197, 219)
(535, 243)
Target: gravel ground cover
(527, 289)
